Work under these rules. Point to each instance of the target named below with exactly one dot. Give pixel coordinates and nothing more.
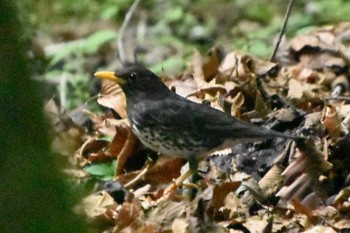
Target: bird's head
(136, 82)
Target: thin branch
(286, 17)
(63, 92)
(342, 98)
(139, 176)
(125, 41)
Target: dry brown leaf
(123, 145)
(317, 159)
(342, 200)
(295, 168)
(321, 229)
(312, 201)
(211, 66)
(271, 181)
(147, 228)
(342, 224)
(212, 89)
(321, 50)
(324, 40)
(344, 110)
(94, 150)
(219, 194)
(166, 212)
(255, 224)
(327, 212)
(312, 161)
(96, 205)
(197, 62)
(206, 68)
(105, 124)
(129, 213)
(180, 225)
(299, 208)
(164, 171)
(285, 115)
(111, 96)
(303, 74)
(236, 66)
(262, 107)
(236, 104)
(184, 85)
(298, 189)
(231, 204)
(331, 121)
(342, 196)
(321, 61)
(300, 91)
(264, 68)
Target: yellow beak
(109, 76)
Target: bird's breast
(167, 143)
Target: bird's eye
(132, 76)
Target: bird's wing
(170, 115)
(189, 117)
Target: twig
(63, 92)
(125, 41)
(286, 17)
(139, 176)
(342, 98)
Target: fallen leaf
(255, 224)
(321, 229)
(95, 149)
(331, 121)
(164, 171)
(123, 146)
(102, 170)
(236, 66)
(180, 225)
(298, 90)
(219, 194)
(211, 66)
(95, 205)
(111, 96)
(129, 213)
(272, 180)
(299, 208)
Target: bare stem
(286, 17)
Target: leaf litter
(266, 186)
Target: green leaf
(96, 40)
(259, 48)
(90, 45)
(67, 49)
(103, 171)
(174, 14)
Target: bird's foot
(177, 183)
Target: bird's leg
(193, 163)
(191, 188)
(192, 171)
(178, 182)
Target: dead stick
(286, 17)
(124, 42)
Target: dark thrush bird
(172, 125)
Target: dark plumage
(175, 126)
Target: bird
(174, 126)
